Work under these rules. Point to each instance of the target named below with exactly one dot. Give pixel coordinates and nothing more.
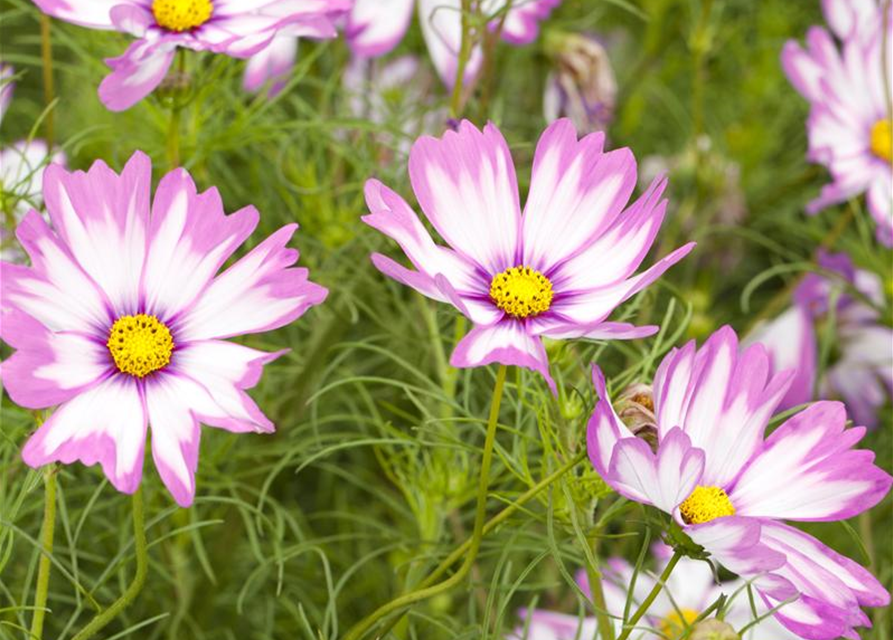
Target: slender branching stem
(141, 549)
(630, 625)
(423, 593)
(457, 99)
(46, 551)
(49, 93)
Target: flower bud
(713, 629)
(582, 86)
(635, 407)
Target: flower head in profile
(21, 172)
(376, 27)
(730, 488)
(122, 320)
(689, 591)
(849, 124)
(861, 374)
(232, 27)
(556, 271)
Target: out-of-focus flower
(730, 489)
(122, 322)
(582, 87)
(395, 92)
(273, 64)
(21, 183)
(557, 271)
(862, 375)
(375, 27)
(6, 88)
(690, 590)
(232, 27)
(849, 124)
(21, 175)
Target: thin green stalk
(464, 54)
(597, 593)
(139, 579)
(492, 523)
(46, 550)
(630, 625)
(173, 128)
(362, 627)
(49, 94)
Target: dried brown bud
(582, 86)
(635, 406)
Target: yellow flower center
(674, 625)
(706, 504)
(521, 292)
(140, 344)
(882, 140)
(181, 15)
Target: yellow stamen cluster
(521, 292)
(140, 344)
(882, 140)
(706, 504)
(674, 625)
(181, 15)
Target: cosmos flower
(273, 64)
(393, 93)
(376, 27)
(582, 87)
(690, 589)
(121, 320)
(7, 85)
(556, 271)
(862, 374)
(730, 488)
(237, 28)
(21, 173)
(849, 125)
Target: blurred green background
(370, 479)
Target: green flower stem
(46, 550)
(173, 129)
(630, 625)
(49, 94)
(492, 523)
(423, 593)
(605, 627)
(462, 62)
(139, 579)
(503, 515)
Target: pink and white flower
(862, 375)
(273, 64)
(21, 173)
(394, 93)
(376, 27)
(557, 271)
(7, 85)
(237, 28)
(849, 125)
(690, 590)
(121, 320)
(730, 488)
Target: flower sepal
(675, 537)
